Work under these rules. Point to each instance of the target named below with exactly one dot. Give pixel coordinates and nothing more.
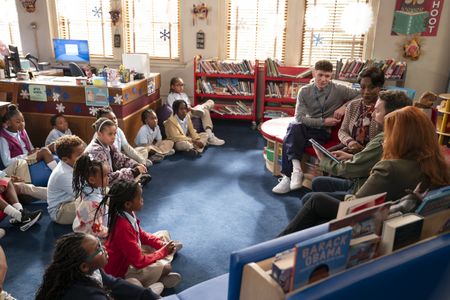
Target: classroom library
(224, 150)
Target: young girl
(134, 253)
(180, 130)
(90, 179)
(15, 143)
(60, 128)
(102, 149)
(200, 111)
(149, 137)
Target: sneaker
(148, 163)
(6, 296)
(156, 158)
(193, 153)
(28, 219)
(171, 280)
(296, 180)
(197, 112)
(171, 152)
(215, 141)
(144, 179)
(178, 245)
(157, 288)
(283, 186)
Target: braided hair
(84, 168)
(103, 111)
(64, 271)
(176, 106)
(11, 111)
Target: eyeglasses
(100, 249)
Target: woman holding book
(411, 155)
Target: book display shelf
(281, 85)
(232, 86)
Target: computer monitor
(71, 50)
(14, 59)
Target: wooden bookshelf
(208, 73)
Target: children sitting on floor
(180, 130)
(134, 253)
(149, 137)
(90, 180)
(60, 128)
(119, 165)
(61, 197)
(201, 111)
(15, 143)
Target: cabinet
(281, 85)
(232, 86)
(443, 121)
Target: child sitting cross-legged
(149, 137)
(134, 253)
(90, 180)
(60, 128)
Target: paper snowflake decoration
(24, 94)
(317, 39)
(164, 35)
(93, 110)
(55, 97)
(60, 108)
(118, 99)
(97, 11)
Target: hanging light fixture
(316, 17)
(357, 18)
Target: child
(76, 273)
(149, 137)
(139, 154)
(15, 143)
(102, 149)
(60, 128)
(134, 253)
(61, 197)
(180, 130)
(200, 111)
(90, 179)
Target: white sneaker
(171, 152)
(197, 112)
(6, 296)
(296, 180)
(283, 186)
(171, 280)
(148, 163)
(157, 288)
(178, 245)
(215, 141)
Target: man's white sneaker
(296, 180)
(283, 185)
(157, 288)
(171, 280)
(215, 141)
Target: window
(153, 27)
(330, 42)
(256, 29)
(86, 20)
(9, 24)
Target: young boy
(149, 137)
(60, 128)
(60, 195)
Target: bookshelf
(280, 89)
(443, 120)
(232, 86)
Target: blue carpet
(214, 204)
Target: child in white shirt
(60, 128)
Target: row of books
(226, 87)
(222, 67)
(392, 69)
(282, 89)
(272, 70)
(364, 229)
(273, 114)
(238, 109)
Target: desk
(127, 101)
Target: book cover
(434, 202)
(365, 222)
(435, 224)
(362, 249)
(349, 207)
(401, 231)
(319, 257)
(282, 268)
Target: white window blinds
(9, 24)
(153, 27)
(256, 29)
(86, 20)
(330, 42)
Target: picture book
(319, 257)
(282, 268)
(401, 231)
(435, 224)
(362, 249)
(434, 202)
(348, 207)
(327, 153)
(365, 222)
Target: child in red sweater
(134, 253)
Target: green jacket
(358, 168)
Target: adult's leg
(336, 187)
(37, 192)
(183, 146)
(66, 212)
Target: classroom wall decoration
(29, 5)
(417, 17)
(412, 48)
(199, 12)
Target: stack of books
(392, 69)
(222, 67)
(282, 89)
(226, 86)
(237, 109)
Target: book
(327, 153)
(434, 202)
(319, 257)
(362, 249)
(348, 207)
(365, 222)
(399, 232)
(282, 268)
(435, 224)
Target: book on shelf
(273, 114)
(239, 108)
(362, 249)
(434, 202)
(400, 232)
(282, 268)
(348, 207)
(212, 66)
(436, 223)
(392, 69)
(320, 257)
(364, 222)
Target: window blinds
(330, 42)
(152, 26)
(9, 24)
(256, 29)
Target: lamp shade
(357, 18)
